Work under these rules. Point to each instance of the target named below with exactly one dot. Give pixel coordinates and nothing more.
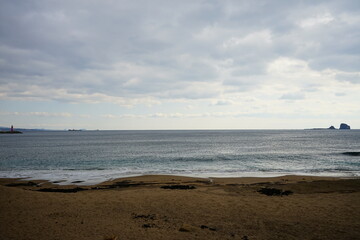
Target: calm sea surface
(95, 156)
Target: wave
(85, 169)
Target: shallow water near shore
(91, 157)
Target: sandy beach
(172, 207)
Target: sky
(166, 64)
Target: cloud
(293, 96)
(199, 53)
(257, 39)
(353, 77)
(320, 19)
(39, 114)
(178, 115)
(223, 102)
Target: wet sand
(172, 207)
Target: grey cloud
(173, 45)
(223, 103)
(39, 114)
(349, 77)
(293, 96)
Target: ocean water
(96, 156)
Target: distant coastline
(10, 132)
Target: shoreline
(79, 178)
(162, 177)
(162, 180)
(176, 207)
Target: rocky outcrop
(344, 126)
(331, 127)
(357, 154)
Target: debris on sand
(206, 227)
(181, 187)
(62, 190)
(274, 192)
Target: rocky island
(12, 131)
(343, 126)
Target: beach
(174, 207)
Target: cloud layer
(258, 56)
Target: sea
(90, 157)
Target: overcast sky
(255, 64)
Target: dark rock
(149, 216)
(206, 227)
(274, 192)
(183, 229)
(147, 225)
(351, 153)
(126, 184)
(188, 228)
(23, 184)
(62, 190)
(77, 181)
(58, 181)
(331, 127)
(344, 126)
(181, 187)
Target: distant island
(343, 126)
(11, 131)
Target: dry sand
(138, 208)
